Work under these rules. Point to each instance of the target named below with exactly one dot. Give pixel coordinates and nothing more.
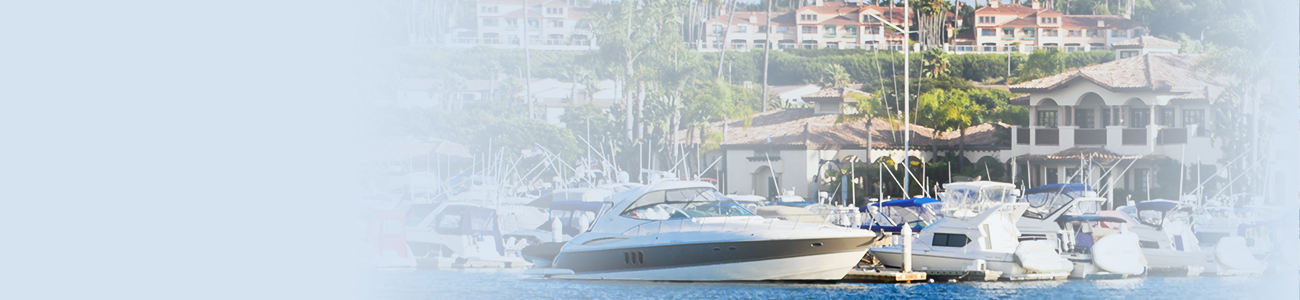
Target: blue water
(432, 284)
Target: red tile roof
(1077, 153)
(801, 126)
(1090, 22)
(1147, 41)
(1020, 22)
(742, 17)
(1149, 72)
(1017, 9)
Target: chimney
(1101, 23)
(994, 3)
(817, 2)
(753, 19)
(1034, 4)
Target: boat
(978, 234)
(458, 235)
(568, 219)
(1229, 255)
(687, 231)
(1165, 234)
(891, 216)
(1067, 215)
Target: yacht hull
(789, 259)
(940, 261)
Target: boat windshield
(683, 204)
(912, 215)
(1041, 205)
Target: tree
(1041, 63)
(834, 76)
(935, 63)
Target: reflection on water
(430, 284)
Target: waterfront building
(1003, 27)
(548, 25)
(822, 25)
(1149, 106)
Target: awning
(1028, 28)
(1008, 28)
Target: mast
(907, 96)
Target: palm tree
(835, 76)
(935, 64)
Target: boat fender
(1119, 253)
(1233, 253)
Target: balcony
(1090, 136)
(1028, 38)
(1022, 136)
(1047, 136)
(1171, 136)
(1008, 38)
(851, 35)
(1134, 137)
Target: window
(1073, 174)
(987, 19)
(1028, 31)
(1140, 180)
(875, 30)
(554, 10)
(782, 29)
(1119, 33)
(555, 23)
(1195, 117)
(1139, 117)
(1105, 117)
(1166, 116)
(1048, 20)
(1094, 33)
(512, 22)
(809, 44)
(1050, 32)
(950, 240)
(1047, 118)
(1084, 118)
(851, 30)
(1051, 176)
(489, 9)
(832, 45)
(808, 17)
(830, 29)
(1074, 33)
(534, 23)
(718, 30)
(1127, 54)
(763, 28)
(742, 29)
(1009, 31)
(489, 22)
(988, 32)
(808, 29)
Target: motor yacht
(1067, 215)
(458, 235)
(687, 231)
(1170, 236)
(978, 233)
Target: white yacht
(687, 231)
(1165, 234)
(458, 235)
(978, 233)
(1067, 215)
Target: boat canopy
(1161, 205)
(1059, 188)
(1048, 199)
(906, 202)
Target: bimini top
(1162, 205)
(1059, 188)
(907, 202)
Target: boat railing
(814, 222)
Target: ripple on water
(458, 285)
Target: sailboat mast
(907, 95)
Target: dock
(883, 275)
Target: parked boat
(978, 233)
(1165, 234)
(687, 231)
(1067, 215)
(459, 235)
(1229, 255)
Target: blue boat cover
(576, 205)
(905, 202)
(1092, 219)
(1059, 187)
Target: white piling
(907, 248)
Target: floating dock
(883, 275)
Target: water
(433, 284)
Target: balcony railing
(1090, 136)
(1047, 136)
(1022, 136)
(1171, 136)
(1134, 136)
